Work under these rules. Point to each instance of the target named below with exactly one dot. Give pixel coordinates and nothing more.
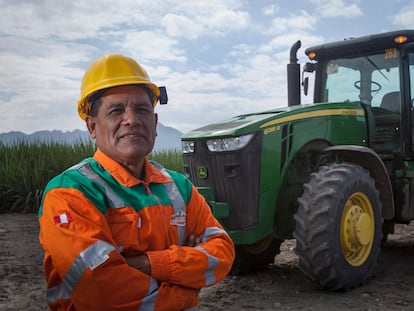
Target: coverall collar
(121, 174)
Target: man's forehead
(126, 90)
(126, 94)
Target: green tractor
(336, 174)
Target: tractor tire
(255, 257)
(338, 226)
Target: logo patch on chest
(178, 219)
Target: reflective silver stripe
(57, 292)
(212, 265)
(179, 208)
(91, 258)
(212, 261)
(176, 199)
(211, 231)
(113, 199)
(148, 303)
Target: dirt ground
(281, 287)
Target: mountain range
(168, 138)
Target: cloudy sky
(218, 58)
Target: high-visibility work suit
(96, 213)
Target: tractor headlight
(187, 146)
(228, 143)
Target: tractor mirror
(309, 67)
(305, 84)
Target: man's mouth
(131, 135)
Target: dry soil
(281, 287)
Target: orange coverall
(95, 213)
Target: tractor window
(364, 78)
(338, 88)
(374, 80)
(389, 83)
(412, 78)
(411, 71)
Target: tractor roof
(366, 44)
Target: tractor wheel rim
(259, 247)
(357, 229)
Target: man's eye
(143, 110)
(115, 111)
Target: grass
(25, 169)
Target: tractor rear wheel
(255, 257)
(338, 226)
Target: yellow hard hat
(108, 71)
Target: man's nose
(131, 116)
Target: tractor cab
(377, 71)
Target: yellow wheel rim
(357, 229)
(259, 247)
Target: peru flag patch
(64, 218)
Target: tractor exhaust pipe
(293, 76)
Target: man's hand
(140, 262)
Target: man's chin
(137, 151)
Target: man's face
(125, 125)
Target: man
(120, 232)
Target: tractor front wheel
(255, 257)
(338, 226)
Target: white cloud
(209, 19)
(256, 82)
(218, 58)
(286, 40)
(404, 17)
(45, 91)
(301, 21)
(181, 26)
(334, 8)
(228, 20)
(152, 46)
(270, 10)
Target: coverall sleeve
(83, 265)
(200, 266)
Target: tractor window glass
(337, 87)
(364, 78)
(385, 103)
(411, 58)
(411, 71)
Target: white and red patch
(64, 218)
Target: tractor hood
(248, 123)
(237, 125)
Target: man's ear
(91, 125)
(156, 122)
